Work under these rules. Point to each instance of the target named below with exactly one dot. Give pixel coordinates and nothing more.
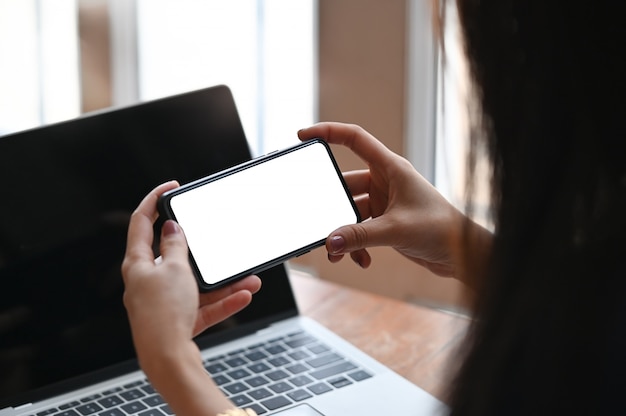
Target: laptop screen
(68, 192)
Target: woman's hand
(166, 311)
(162, 300)
(400, 208)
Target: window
(438, 126)
(452, 138)
(421, 88)
(452, 128)
(39, 74)
(264, 50)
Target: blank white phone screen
(262, 213)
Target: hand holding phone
(261, 213)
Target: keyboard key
(258, 367)
(261, 393)
(296, 368)
(152, 412)
(235, 362)
(221, 379)
(318, 349)
(275, 349)
(148, 389)
(341, 367)
(359, 375)
(300, 341)
(277, 375)
(299, 355)
(133, 407)
(240, 373)
(340, 382)
(300, 380)
(112, 412)
(66, 406)
(133, 384)
(319, 388)
(280, 387)
(255, 346)
(47, 411)
(67, 412)
(299, 395)
(110, 401)
(111, 391)
(278, 361)
(215, 368)
(276, 402)
(240, 400)
(153, 401)
(133, 394)
(90, 398)
(235, 352)
(256, 381)
(323, 360)
(88, 409)
(255, 356)
(236, 388)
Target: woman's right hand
(401, 209)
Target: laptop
(65, 345)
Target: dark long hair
(549, 335)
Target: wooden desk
(416, 342)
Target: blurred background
(289, 64)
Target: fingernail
(170, 227)
(337, 244)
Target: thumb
(355, 237)
(173, 242)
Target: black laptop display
(67, 193)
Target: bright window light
(263, 50)
(39, 72)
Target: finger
(140, 228)
(370, 233)
(173, 245)
(354, 137)
(250, 283)
(209, 315)
(335, 258)
(362, 258)
(358, 181)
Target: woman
(549, 332)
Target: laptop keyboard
(137, 398)
(265, 377)
(282, 371)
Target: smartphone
(261, 213)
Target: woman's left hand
(166, 311)
(162, 298)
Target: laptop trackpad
(300, 410)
